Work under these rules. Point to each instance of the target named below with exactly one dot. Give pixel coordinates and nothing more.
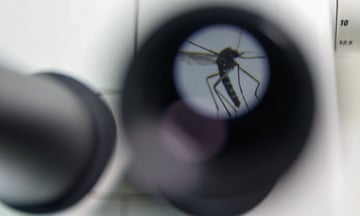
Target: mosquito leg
(211, 91)
(201, 47)
(249, 74)
(253, 55)
(220, 96)
(253, 78)
(240, 88)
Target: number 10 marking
(344, 22)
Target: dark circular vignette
(263, 144)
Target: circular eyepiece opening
(221, 71)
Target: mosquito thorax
(229, 53)
(226, 58)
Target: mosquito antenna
(240, 36)
(201, 47)
(254, 56)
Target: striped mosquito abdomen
(230, 89)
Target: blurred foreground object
(56, 137)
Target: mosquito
(226, 63)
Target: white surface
(93, 40)
(348, 65)
(90, 206)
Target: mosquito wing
(197, 57)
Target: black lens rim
(271, 136)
